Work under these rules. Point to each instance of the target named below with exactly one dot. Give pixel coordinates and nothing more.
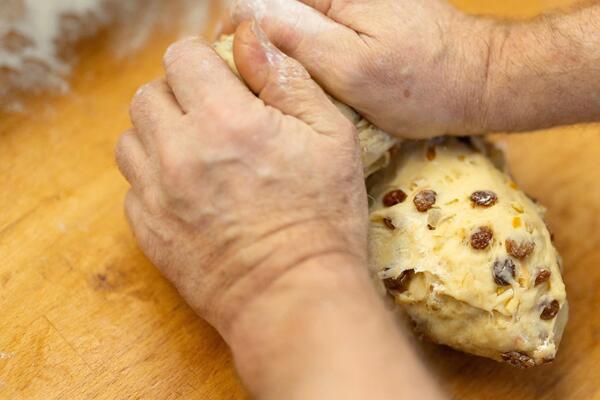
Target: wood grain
(83, 315)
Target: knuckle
(230, 119)
(122, 151)
(121, 148)
(144, 105)
(216, 111)
(138, 108)
(173, 172)
(130, 206)
(152, 202)
(176, 54)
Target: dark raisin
(430, 227)
(484, 198)
(466, 140)
(388, 223)
(503, 271)
(424, 200)
(519, 250)
(542, 276)
(400, 283)
(517, 359)
(550, 310)
(394, 197)
(431, 153)
(481, 238)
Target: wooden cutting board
(83, 315)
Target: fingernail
(274, 55)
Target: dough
(465, 254)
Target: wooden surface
(83, 315)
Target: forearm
(324, 333)
(543, 73)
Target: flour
(36, 37)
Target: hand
(413, 68)
(229, 191)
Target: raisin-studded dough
(462, 250)
(467, 254)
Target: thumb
(282, 82)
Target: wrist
(298, 292)
(321, 325)
(475, 48)
(253, 273)
(271, 335)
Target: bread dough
(462, 253)
(465, 254)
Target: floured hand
(229, 191)
(414, 69)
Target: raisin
(550, 310)
(481, 238)
(503, 271)
(521, 250)
(424, 200)
(484, 198)
(430, 227)
(431, 153)
(542, 276)
(400, 283)
(518, 359)
(388, 223)
(394, 197)
(466, 140)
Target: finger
(132, 159)
(137, 217)
(143, 225)
(326, 48)
(226, 26)
(282, 82)
(349, 12)
(152, 107)
(198, 75)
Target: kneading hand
(414, 69)
(229, 191)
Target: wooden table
(83, 315)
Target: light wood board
(83, 315)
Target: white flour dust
(37, 37)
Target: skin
(419, 69)
(251, 200)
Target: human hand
(231, 192)
(414, 69)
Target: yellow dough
(462, 253)
(465, 253)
